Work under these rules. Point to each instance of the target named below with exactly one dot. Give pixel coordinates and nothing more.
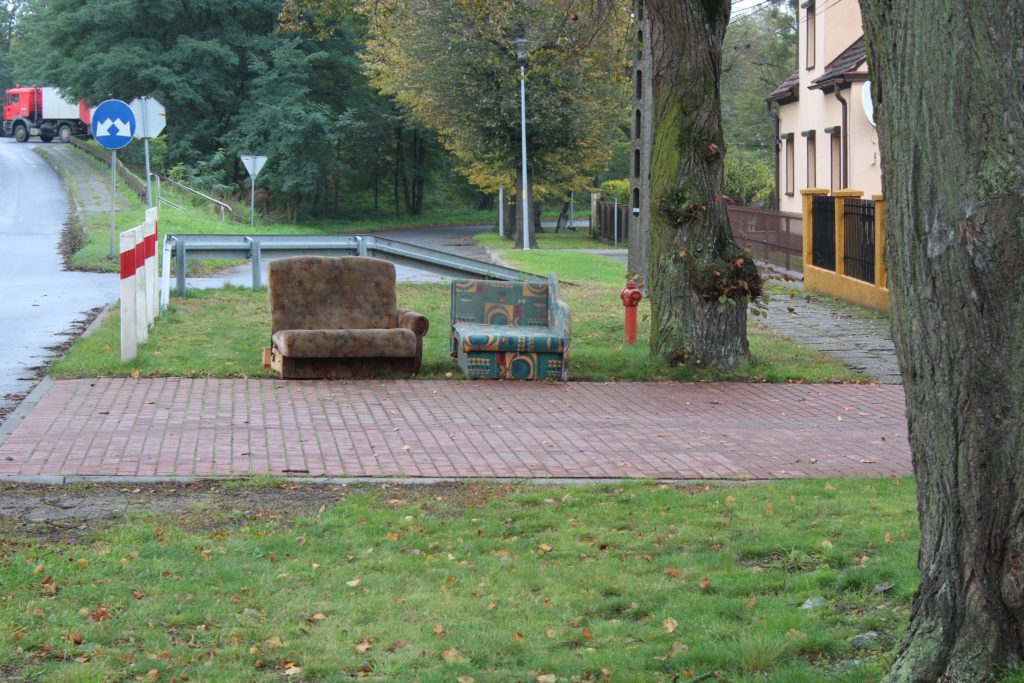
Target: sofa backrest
(324, 293)
(494, 302)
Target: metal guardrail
(182, 248)
(223, 206)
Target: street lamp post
(522, 44)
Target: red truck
(44, 112)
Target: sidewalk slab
(167, 427)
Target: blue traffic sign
(113, 124)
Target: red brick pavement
(421, 428)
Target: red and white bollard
(152, 229)
(129, 330)
(631, 297)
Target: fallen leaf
(546, 678)
(363, 645)
(438, 629)
(544, 548)
(83, 563)
(518, 637)
(730, 500)
(398, 645)
(354, 582)
(75, 638)
(393, 536)
(292, 671)
(451, 654)
(705, 583)
(152, 674)
(550, 633)
(888, 538)
(828, 486)
(669, 624)
(273, 642)
(464, 679)
(673, 572)
(99, 614)
(587, 633)
(794, 633)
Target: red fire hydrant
(631, 297)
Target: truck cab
(44, 112)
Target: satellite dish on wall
(865, 100)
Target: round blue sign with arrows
(113, 124)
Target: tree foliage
(453, 65)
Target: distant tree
(453, 65)
(193, 57)
(948, 85)
(759, 53)
(699, 279)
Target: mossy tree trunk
(698, 277)
(948, 83)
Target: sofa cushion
(322, 293)
(521, 339)
(394, 343)
(500, 303)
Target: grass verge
(642, 582)
(219, 333)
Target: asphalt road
(39, 301)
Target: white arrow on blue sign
(113, 124)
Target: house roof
(789, 91)
(843, 68)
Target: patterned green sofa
(510, 330)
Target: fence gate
(823, 255)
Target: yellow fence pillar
(881, 272)
(808, 222)
(841, 196)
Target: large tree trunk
(699, 278)
(948, 83)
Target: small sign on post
(151, 117)
(253, 164)
(113, 125)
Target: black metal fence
(859, 242)
(823, 216)
(775, 236)
(606, 227)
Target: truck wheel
(21, 133)
(64, 133)
(45, 137)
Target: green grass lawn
(481, 582)
(219, 333)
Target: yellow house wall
(845, 288)
(842, 26)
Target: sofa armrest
(411, 320)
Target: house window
(809, 28)
(790, 165)
(836, 156)
(812, 165)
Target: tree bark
(948, 83)
(699, 279)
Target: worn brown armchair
(337, 317)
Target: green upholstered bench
(510, 330)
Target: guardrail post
(179, 255)
(257, 265)
(361, 245)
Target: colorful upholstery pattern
(510, 330)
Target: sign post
(151, 117)
(113, 125)
(253, 164)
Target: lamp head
(522, 47)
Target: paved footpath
(176, 427)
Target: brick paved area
(205, 427)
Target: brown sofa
(337, 317)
